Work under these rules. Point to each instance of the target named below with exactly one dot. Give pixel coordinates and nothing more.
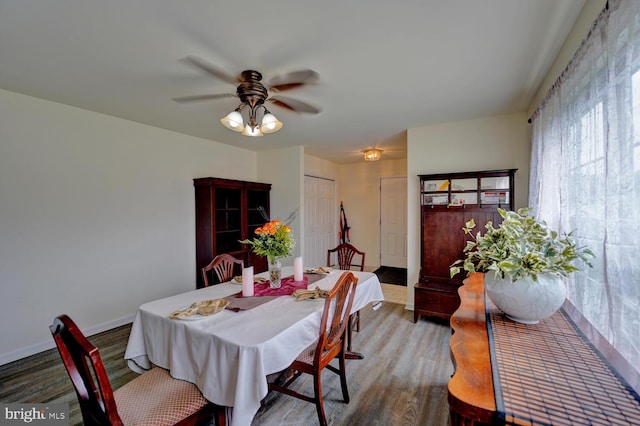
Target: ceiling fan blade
(210, 69)
(282, 87)
(196, 98)
(293, 104)
(292, 79)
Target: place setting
(256, 280)
(322, 270)
(200, 310)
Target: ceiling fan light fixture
(233, 121)
(373, 154)
(270, 124)
(252, 131)
(253, 94)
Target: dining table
(228, 355)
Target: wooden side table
(540, 374)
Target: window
(585, 172)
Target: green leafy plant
(274, 239)
(520, 247)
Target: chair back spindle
(337, 306)
(345, 255)
(223, 265)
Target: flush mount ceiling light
(372, 154)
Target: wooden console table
(542, 374)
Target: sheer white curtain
(585, 171)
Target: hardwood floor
(42, 377)
(394, 293)
(402, 380)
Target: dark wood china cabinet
(447, 202)
(228, 211)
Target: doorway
(393, 222)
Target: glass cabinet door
(491, 188)
(464, 191)
(494, 190)
(228, 219)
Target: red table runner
(262, 293)
(287, 287)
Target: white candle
(247, 282)
(297, 269)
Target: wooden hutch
(228, 211)
(447, 202)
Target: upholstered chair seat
(157, 399)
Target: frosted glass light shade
(248, 131)
(270, 124)
(233, 121)
(372, 154)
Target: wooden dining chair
(346, 254)
(330, 345)
(223, 265)
(153, 398)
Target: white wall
(282, 168)
(490, 143)
(319, 167)
(96, 216)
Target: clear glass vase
(275, 273)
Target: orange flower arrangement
(274, 240)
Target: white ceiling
(384, 66)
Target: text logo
(36, 414)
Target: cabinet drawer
(435, 301)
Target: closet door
(320, 214)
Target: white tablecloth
(228, 355)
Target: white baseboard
(49, 344)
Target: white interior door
(393, 222)
(320, 219)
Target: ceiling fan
(253, 94)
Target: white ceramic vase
(525, 300)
